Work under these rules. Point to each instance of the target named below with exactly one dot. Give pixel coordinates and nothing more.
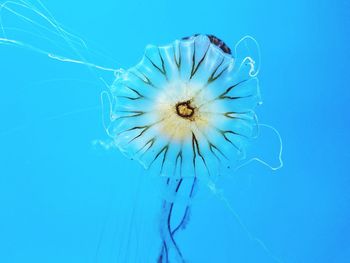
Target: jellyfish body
(184, 112)
(186, 109)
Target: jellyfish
(186, 113)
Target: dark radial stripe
(149, 143)
(162, 70)
(233, 97)
(133, 114)
(144, 78)
(230, 88)
(223, 133)
(178, 157)
(164, 156)
(194, 66)
(143, 130)
(214, 77)
(155, 65)
(177, 61)
(230, 113)
(136, 92)
(212, 147)
(195, 148)
(236, 133)
(194, 154)
(163, 64)
(224, 98)
(130, 98)
(165, 150)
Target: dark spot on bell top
(216, 41)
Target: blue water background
(64, 198)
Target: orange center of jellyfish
(185, 109)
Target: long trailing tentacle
(169, 231)
(183, 221)
(168, 241)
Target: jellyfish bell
(187, 108)
(185, 111)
